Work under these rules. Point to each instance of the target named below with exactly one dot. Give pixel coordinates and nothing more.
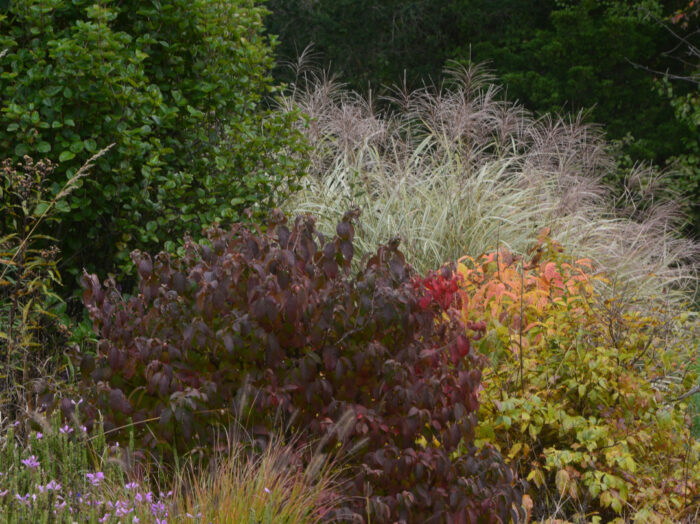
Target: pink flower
(95, 478)
(31, 462)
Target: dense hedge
(176, 85)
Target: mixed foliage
(588, 400)
(606, 57)
(553, 55)
(32, 331)
(266, 373)
(454, 170)
(271, 326)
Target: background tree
(683, 92)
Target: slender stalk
(520, 343)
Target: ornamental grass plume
(454, 170)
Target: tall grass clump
(455, 169)
(266, 486)
(32, 338)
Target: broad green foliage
(581, 397)
(176, 85)
(588, 54)
(272, 328)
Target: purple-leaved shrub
(270, 328)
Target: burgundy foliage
(273, 327)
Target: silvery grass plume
(456, 170)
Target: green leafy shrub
(586, 400)
(263, 325)
(177, 85)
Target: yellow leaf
(514, 450)
(562, 481)
(537, 477)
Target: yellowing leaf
(514, 450)
(536, 476)
(562, 481)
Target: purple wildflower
(51, 486)
(95, 478)
(31, 462)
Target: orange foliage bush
(582, 394)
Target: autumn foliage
(273, 329)
(583, 396)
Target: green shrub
(586, 400)
(177, 85)
(254, 326)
